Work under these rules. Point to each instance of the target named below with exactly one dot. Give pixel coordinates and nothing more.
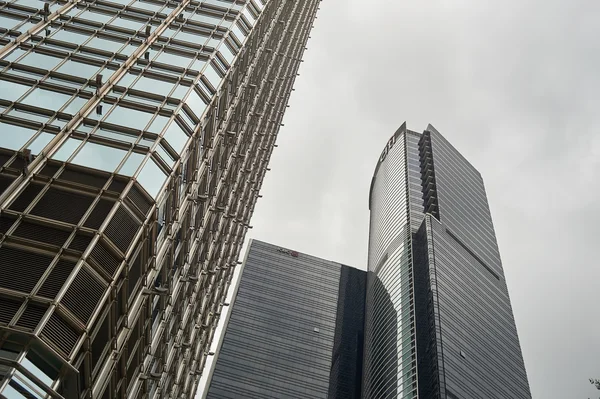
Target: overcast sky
(514, 87)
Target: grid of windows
(390, 344)
(439, 321)
(279, 338)
(137, 132)
(295, 329)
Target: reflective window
(13, 136)
(40, 61)
(158, 124)
(70, 37)
(40, 142)
(212, 75)
(46, 99)
(174, 59)
(226, 53)
(176, 137)
(78, 69)
(13, 55)
(105, 44)
(99, 156)
(12, 91)
(152, 178)
(128, 117)
(36, 371)
(196, 103)
(67, 149)
(154, 86)
(132, 163)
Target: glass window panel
(99, 156)
(226, 53)
(96, 16)
(70, 37)
(104, 44)
(74, 12)
(14, 137)
(40, 61)
(132, 163)
(127, 23)
(40, 142)
(165, 155)
(151, 177)
(198, 64)
(212, 76)
(126, 80)
(226, 24)
(37, 372)
(176, 137)
(128, 117)
(187, 119)
(25, 27)
(11, 91)
(79, 69)
(128, 50)
(75, 105)
(196, 104)
(213, 42)
(180, 91)
(158, 124)
(8, 23)
(174, 59)
(12, 393)
(29, 116)
(32, 388)
(146, 5)
(124, 138)
(46, 99)
(194, 38)
(238, 33)
(154, 86)
(206, 19)
(248, 16)
(29, 3)
(66, 150)
(16, 53)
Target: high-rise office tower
(295, 329)
(134, 137)
(439, 322)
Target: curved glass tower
(439, 322)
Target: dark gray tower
(295, 330)
(134, 138)
(433, 254)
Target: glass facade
(439, 322)
(134, 137)
(390, 345)
(295, 323)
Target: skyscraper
(295, 329)
(134, 138)
(439, 322)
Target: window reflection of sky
(104, 157)
(151, 178)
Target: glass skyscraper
(134, 138)
(439, 322)
(295, 329)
